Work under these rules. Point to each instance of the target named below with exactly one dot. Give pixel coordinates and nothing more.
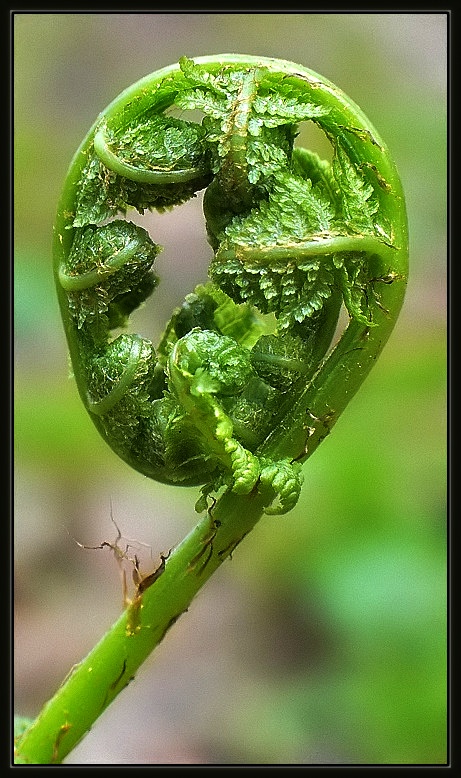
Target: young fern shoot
(293, 237)
(246, 380)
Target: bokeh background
(323, 641)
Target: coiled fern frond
(237, 383)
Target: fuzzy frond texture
(292, 237)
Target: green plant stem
(95, 682)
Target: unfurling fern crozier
(246, 380)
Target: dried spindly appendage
(246, 380)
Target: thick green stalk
(95, 682)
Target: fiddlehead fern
(244, 383)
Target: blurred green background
(323, 641)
